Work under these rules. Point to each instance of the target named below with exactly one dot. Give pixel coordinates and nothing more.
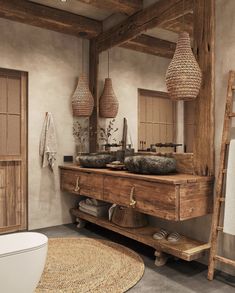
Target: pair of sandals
(163, 234)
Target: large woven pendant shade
(108, 101)
(82, 100)
(183, 77)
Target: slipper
(173, 237)
(161, 234)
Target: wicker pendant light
(108, 101)
(82, 99)
(183, 77)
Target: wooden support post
(204, 17)
(93, 83)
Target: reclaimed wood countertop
(176, 178)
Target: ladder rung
(222, 199)
(219, 228)
(225, 260)
(232, 114)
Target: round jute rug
(81, 265)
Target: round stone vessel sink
(150, 165)
(96, 160)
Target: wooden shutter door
(13, 151)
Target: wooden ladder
(220, 184)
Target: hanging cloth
(48, 144)
(229, 215)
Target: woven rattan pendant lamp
(183, 77)
(108, 103)
(82, 100)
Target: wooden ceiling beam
(49, 18)
(183, 23)
(127, 7)
(151, 45)
(155, 15)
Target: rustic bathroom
(117, 146)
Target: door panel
(13, 150)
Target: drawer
(82, 183)
(156, 199)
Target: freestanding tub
(22, 260)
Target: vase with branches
(80, 134)
(106, 135)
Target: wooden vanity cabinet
(174, 197)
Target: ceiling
(109, 18)
(77, 7)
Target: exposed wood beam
(151, 45)
(93, 84)
(183, 23)
(49, 18)
(127, 7)
(204, 48)
(155, 15)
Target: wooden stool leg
(161, 258)
(80, 223)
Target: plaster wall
(53, 62)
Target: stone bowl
(150, 165)
(96, 160)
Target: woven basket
(108, 101)
(183, 77)
(82, 100)
(128, 217)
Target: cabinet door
(82, 183)
(13, 150)
(152, 198)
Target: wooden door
(156, 119)
(13, 150)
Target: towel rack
(216, 227)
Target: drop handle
(132, 200)
(77, 187)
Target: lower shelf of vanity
(186, 248)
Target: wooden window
(156, 119)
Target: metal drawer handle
(132, 200)
(77, 187)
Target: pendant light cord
(108, 63)
(82, 56)
(183, 17)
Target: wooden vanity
(174, 197)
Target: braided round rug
(82, 265)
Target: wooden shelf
(186, 248)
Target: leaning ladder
(220, 184)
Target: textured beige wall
(129, 71)
(53, 62)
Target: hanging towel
(229, 212)
(48, 145)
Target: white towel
(229, 213)
(48, 145)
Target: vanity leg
(80, 223)
(161, 258)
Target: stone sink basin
(150, 164)
(95, 160)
